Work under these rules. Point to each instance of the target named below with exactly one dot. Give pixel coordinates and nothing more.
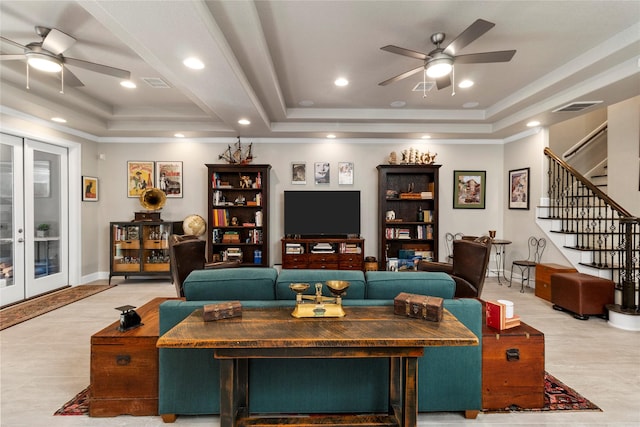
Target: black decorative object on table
(129, 319)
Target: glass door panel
(12, 277)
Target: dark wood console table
(274, 333)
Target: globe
(194, 225)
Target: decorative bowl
(299, 287)
(337, 287)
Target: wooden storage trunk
(222, 310)
(419, 306)
(512, 367)
(543, 278)
(124, 367)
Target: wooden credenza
(124, 367)
(344, 254)
(543, 278)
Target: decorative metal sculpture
(322, 306)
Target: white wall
(624, 155)
(366, 156)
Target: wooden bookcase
(327, 254)
(404, 190)
(238, 217)
(140, 248)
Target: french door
(33, 218)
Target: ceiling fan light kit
(439, 63)
(43, 61)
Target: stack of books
(322, 248)
(231, 237)
(350, 248)
(234, 254)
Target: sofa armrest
(435, 266)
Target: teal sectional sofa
(450, 378)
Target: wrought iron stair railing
(600, 226)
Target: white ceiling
(264, 57)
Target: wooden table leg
(242, 387)
(410, 392)
(395, 388)
(228, 392)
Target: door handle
(20, 240)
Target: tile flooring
(45, 362)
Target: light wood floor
(45, 362)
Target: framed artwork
(298, 173)
(469, 188)
(345, 173)
(322, 173)
(169, 178)
(89, 189)
(139, 177)
(519, 189)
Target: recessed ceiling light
(193, 63)
(178, 135)
(305, 103)
(533, 123)
(331, 136)
(398, 104)
(244, 122)
(426, 136)
(341, 81)
(471, 104)
(465, 84)
(58, 119)
(128, 84)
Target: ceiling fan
(439, 63)
(46, 55)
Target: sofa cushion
(242, 283)
(286, 277)
(388, 284)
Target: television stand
(323, 253)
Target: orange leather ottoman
(581, 294)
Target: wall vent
(576, 106)
(155, 82)
(423, 87)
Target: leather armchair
(469, 266)
(187, 253)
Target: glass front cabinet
(140, 248)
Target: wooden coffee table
(274, 333)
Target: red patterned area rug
(557, 397)
(31, 308)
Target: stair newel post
(630, 273)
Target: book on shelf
(220, 217)
(496, 316)
(231, 237)
(350, 248)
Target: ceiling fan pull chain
(424, 84)
(62, 80)
(28, 75)
(453, 80)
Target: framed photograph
(298, 173)
(345, 173)
(519, 189)
(139, 177)
(169, 178)
(322, 173)
(469, 189)
(89, 189)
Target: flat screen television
(322, 213)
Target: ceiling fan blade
(98, 68)
(406, 52)
(485, 57)
(71, 79)
(57, 42)
(11, 42)
(11, 57)
(401, 76)
(443, 82)
(473, 31)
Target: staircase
(596, 235)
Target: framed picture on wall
(139, 177)
(89, 189)
(169, 178)
(322, 173)
(469, 188)
(519, 189)
(345, 173)
(298, 173)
